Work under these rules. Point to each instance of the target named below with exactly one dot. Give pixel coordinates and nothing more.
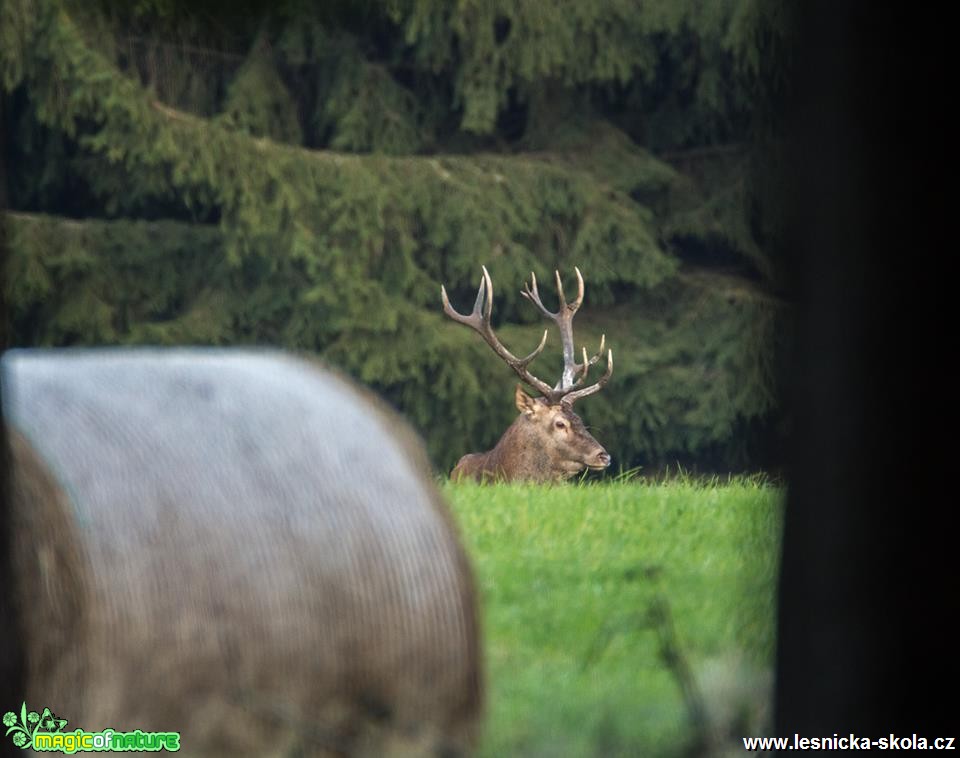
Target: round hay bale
(239, 546)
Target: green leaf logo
(21, 728)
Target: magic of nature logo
(44, 732)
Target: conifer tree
(308, 177)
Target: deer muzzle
(599, 460)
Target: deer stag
(547, 441)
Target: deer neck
(520, 454)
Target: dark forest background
(307, 175)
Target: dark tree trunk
(11, 646)
(864, 642)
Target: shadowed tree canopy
(308, 176)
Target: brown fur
(547, 442)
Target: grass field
(623, 619)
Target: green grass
(568, 576)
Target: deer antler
(574, 374)
(479, 320)
(569, 388)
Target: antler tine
(563, 300)
(479, 321)
(537, 351)
(572, 307)
(588, 362)
(489, 282)
(533, 295)
(586, 367)
(570, 397)
(576, 303)
(470, 320)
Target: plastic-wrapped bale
(239, 546)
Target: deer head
(548, 440)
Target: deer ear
(525, 404)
